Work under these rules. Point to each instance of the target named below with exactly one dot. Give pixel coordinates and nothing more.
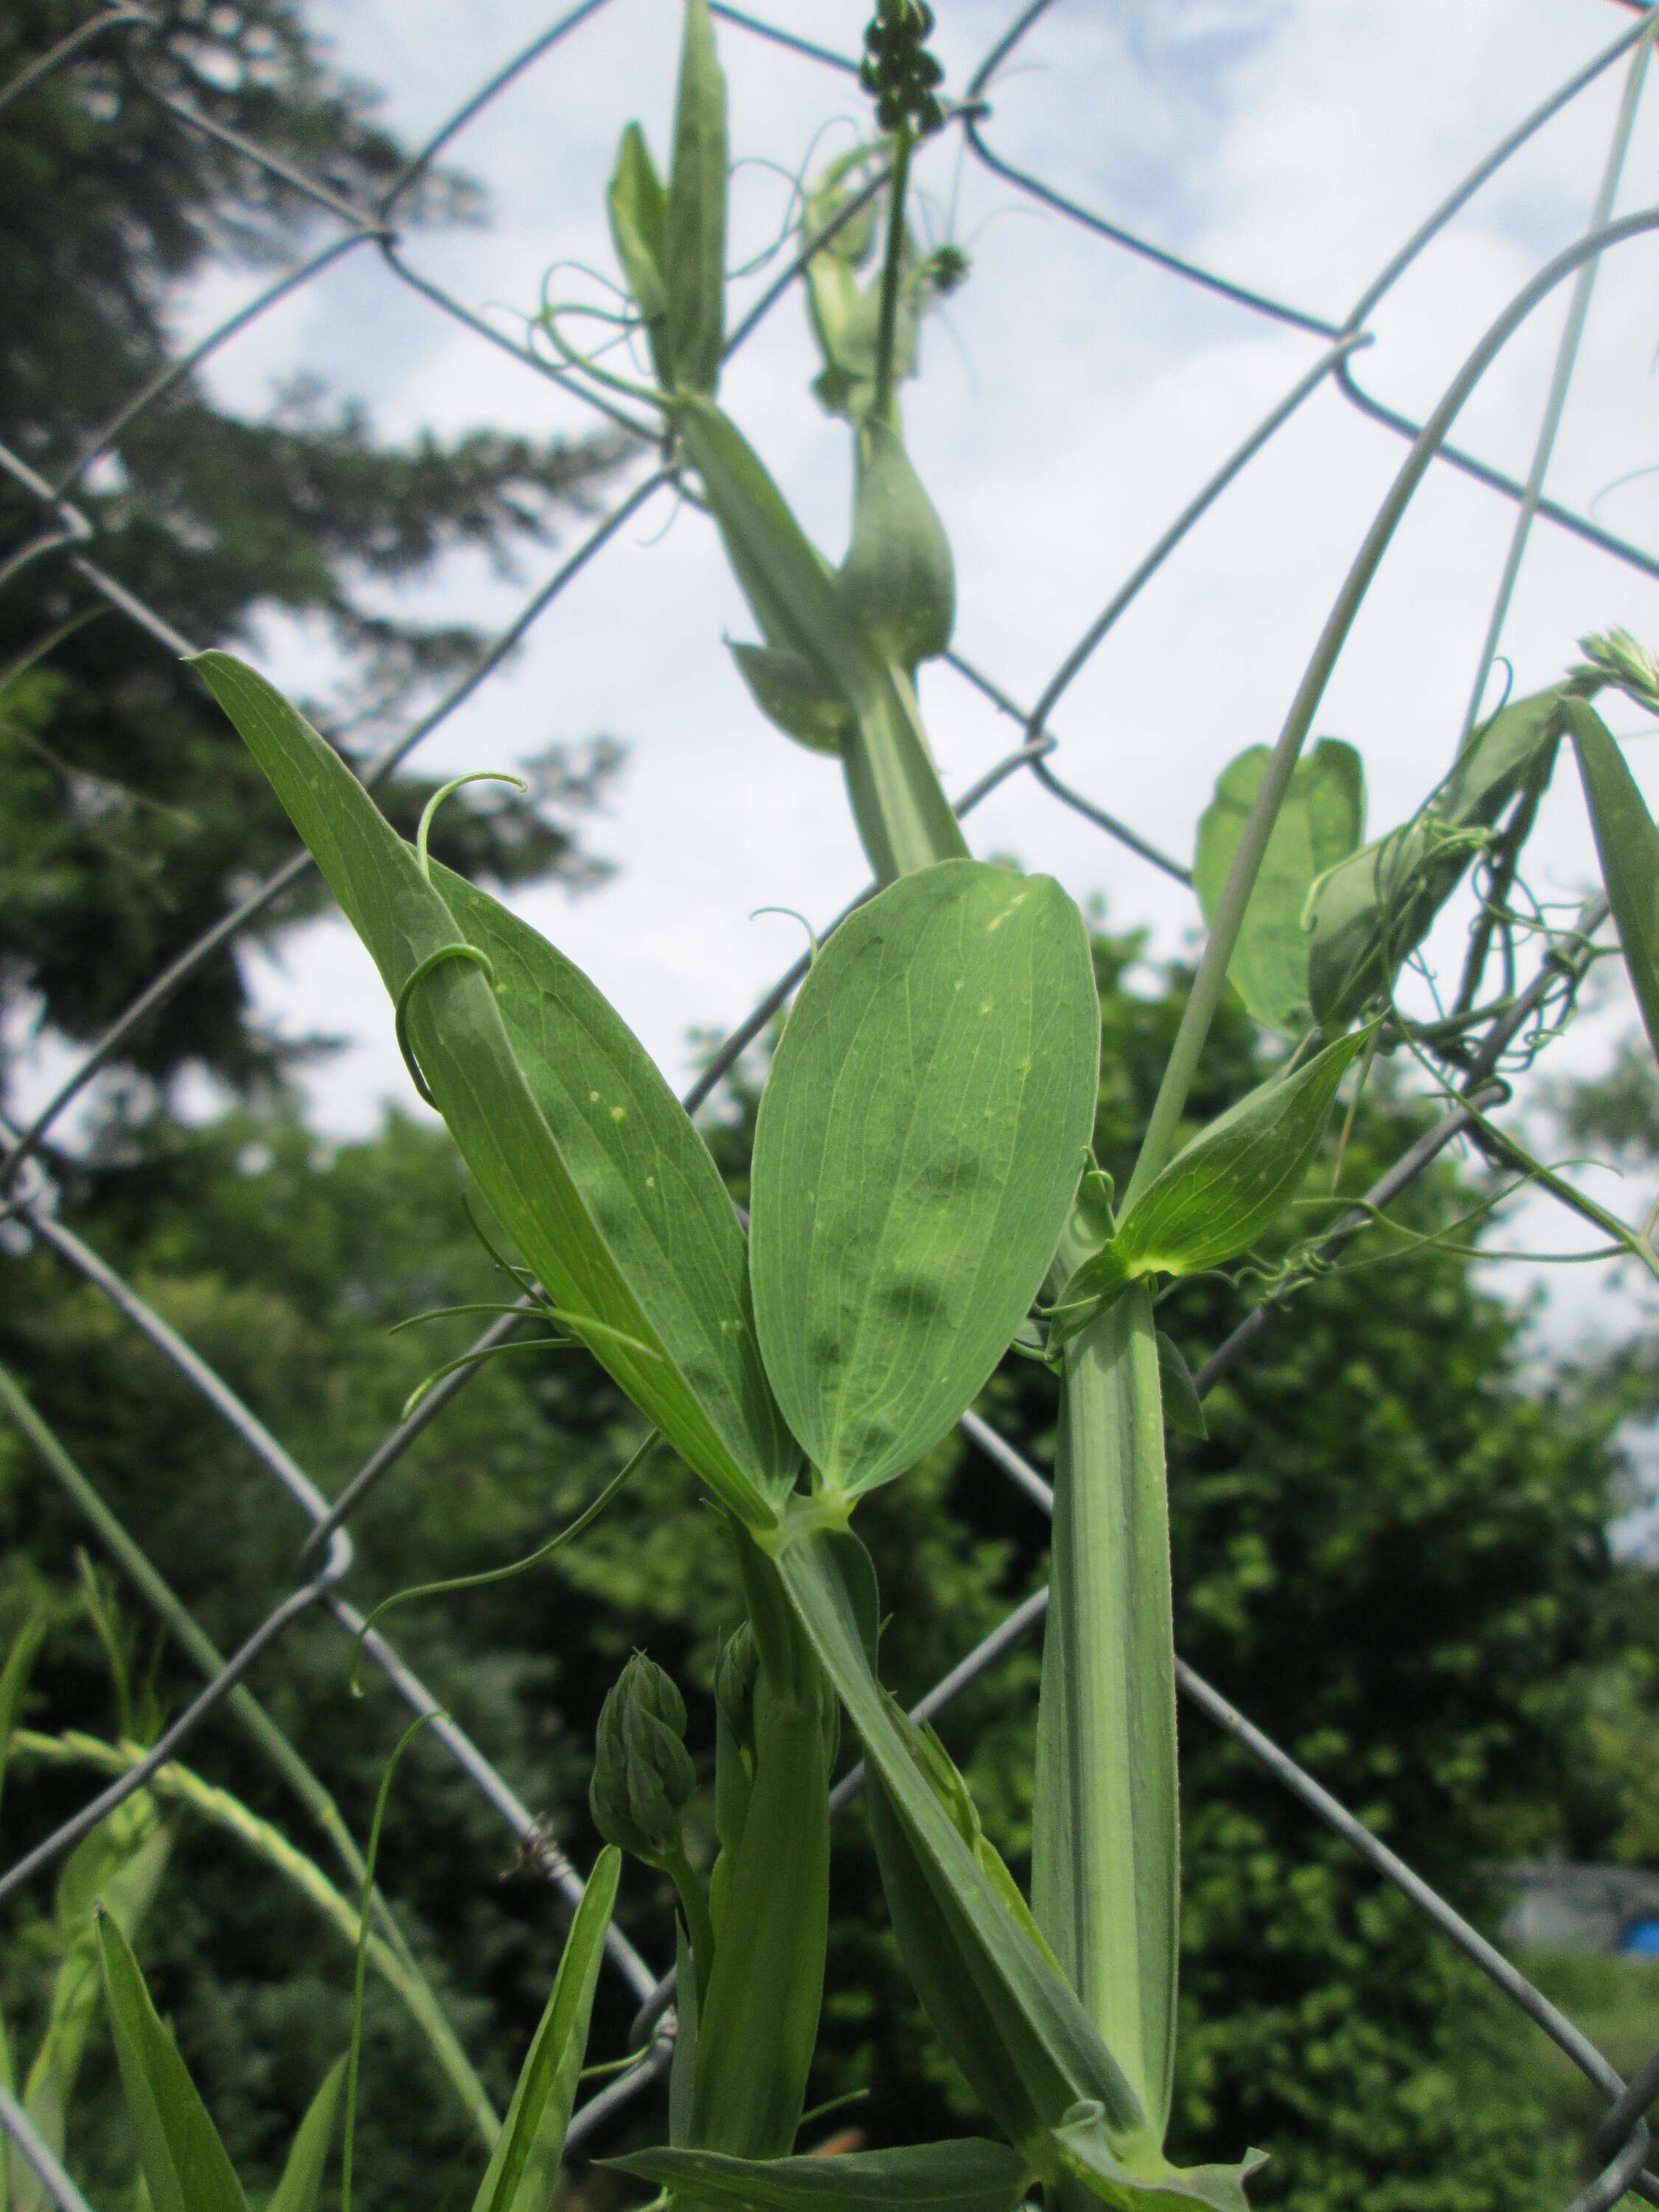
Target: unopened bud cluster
(898, 69)
(643, 1771)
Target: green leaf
(523, 2172)
(14, 1682)
(1223, 1189)
(584, 1155)
(897, 577)
(1105, 1842)
(790, 694)
(1183, 1409)
(696, 260)
(1366, 915)
(1628, 843)
(969, 2176)
(1008, 2018)
(759, 2022)
(184, 2161)
(921, 1134)
(302, 2175)
(902, 814)
(1320, 823)
(1082, 2153)
(638, 208)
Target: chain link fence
(65, 534)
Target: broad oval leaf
(1320, 823)
(184, 2164)
(523, 2173)
(1366, 915)
(1223, 1189)
(967, 2176)
(1628, 844)
(584, 1154)
(921, 1137)
(898, 576)
(695, 262)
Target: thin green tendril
(364, 1902)
(584, 1519)
(400, 1017)
(478, 775)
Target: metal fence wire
(65, 534)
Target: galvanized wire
(66, 531)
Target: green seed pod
(642, 1772)
(897, 577)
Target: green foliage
(131, 822)
(1379, 1483)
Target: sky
(1072, 397)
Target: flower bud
(642, 1772)
(734, 1685)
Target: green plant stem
(270, 1844)
(1105, 1871)
(1207, 985)
(881, 406)
(698, 1925)
(355, 2053)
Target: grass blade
(184, 2164)
(524, 2171)
(302, 2173)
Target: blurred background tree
(133, 816)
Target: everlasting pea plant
(923, 1199)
